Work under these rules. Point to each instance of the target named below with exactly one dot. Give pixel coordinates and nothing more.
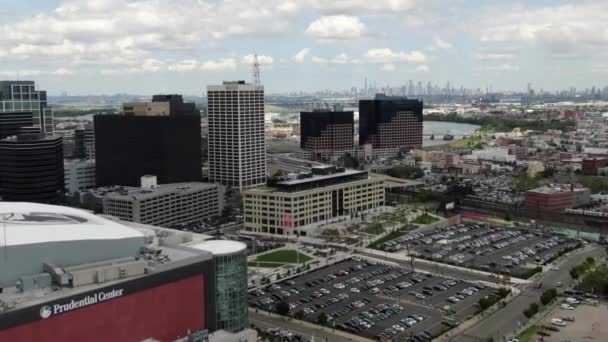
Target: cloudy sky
(148, 46)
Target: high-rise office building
(128, 147)
(22, 96)
(84, 143)
(31, 168)
(390, 122)
(15, 123)
(327, 134)
(237, 150)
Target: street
(504, 321)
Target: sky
(180, 46)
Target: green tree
(299, 314)
(548, 296)
(406, 172)
(322, 318)
(282, 308)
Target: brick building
(590, 166)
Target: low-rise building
(592, 166)
(165, 205)
(293, 206)
(549, 199)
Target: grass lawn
(374, 229)
(389, 236)
(283, 256)
(529, 334)
(425, 219)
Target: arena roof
(30, 223)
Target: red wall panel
(165, 313)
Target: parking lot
(484, 247)
(375, 300)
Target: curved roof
(221, 247)
(24, 223)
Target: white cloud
(20, 73)
(123, 33)
(494, 56)
(301, 55)
(389, 56)
(422, 69)
(388, 67)
(336, 28)
(184, 66)
(63, 72)
(364, 7)
(262, 59)
(570, 29)
(440, 44)
(342, 58)
(501, 67)
(219, 65)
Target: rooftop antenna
(256, 70)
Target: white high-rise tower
(237, 150)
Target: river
(440, 128)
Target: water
(439, 129)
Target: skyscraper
(14, 123)
(237, 150)
(128, 147)
(390, 122)
(31, 168)
(327, 134)
(22, 96)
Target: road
(504, 321)
(264, 322)
(436, 269)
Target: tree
(299, 315)
(548, 296)
(405, 171)
(282, 308)
(322, 319)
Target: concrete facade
(237, 148)
(166, 205)
(79, 175)
(291, 209)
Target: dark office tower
(130, 146)
(84, 143)
(390, 122)
(14, 123)
(177, 106)
(326, 133)
(22, 96)
(31, 168)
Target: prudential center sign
(48, 310)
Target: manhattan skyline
(148, 46)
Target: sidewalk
(312, 326)
(402, 256)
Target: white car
(567, 307)
(558, 322)
(355, 290)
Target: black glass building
(31, 168)
(15, 123)
(390, 122)
(130, 146)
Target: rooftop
(30, 223)
(130, 192)
(165, 249)
(220, 247)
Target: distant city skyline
(154, 46)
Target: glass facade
(231, 288)
(22, 96)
